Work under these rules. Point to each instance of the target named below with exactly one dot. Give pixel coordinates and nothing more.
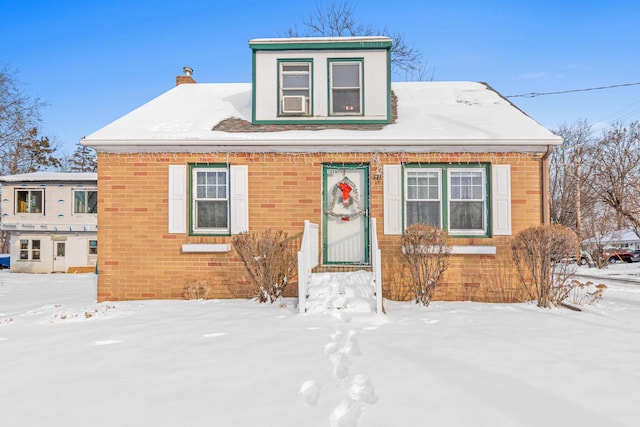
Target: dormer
(321, 80)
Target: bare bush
(543, 257)
(425, 251)
(270, 260)
(505, 284)
(586, 293)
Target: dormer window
(346, 87)
(295, 87)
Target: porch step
(341, 291)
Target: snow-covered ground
(66, 360)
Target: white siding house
(52, 219)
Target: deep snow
(66, 360)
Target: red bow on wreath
(346, 189)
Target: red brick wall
(139, 259)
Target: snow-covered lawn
(66, 360)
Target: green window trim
(283, 62)
(220, 203)
(330, 88)
(446, 196)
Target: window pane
(345, 75)
(466, 216)
(295, 81)
(92, 202)
(35, 202)
(346, 100)
(423, 185)
(211, 214)
(466, 185)
(22, 197)
(424, 213)
(79, 202)
(297, 67)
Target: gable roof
(432, 116)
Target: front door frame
(326, 200)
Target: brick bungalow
(180, 175)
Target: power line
(534, 94)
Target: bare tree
(83, 159)
(615, 162)
(336, 18)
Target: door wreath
(346, 192)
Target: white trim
(473, 250)
(202, 247)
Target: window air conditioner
(294, 104)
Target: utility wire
(534, 94)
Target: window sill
(201, 248)
(473, 250)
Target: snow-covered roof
(457, 116)
(51, 176)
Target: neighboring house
(52, 219)
(321, 134)
(626, 239)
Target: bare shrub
(270, 260)
(196, 290)
(425, 251)
(586, 293)
(542, 256)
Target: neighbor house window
(29, 201)
(210, 199)
(345, 80)
(85, 201)
(93, 247)
(447, 196)
(29, 249)
(295, 87)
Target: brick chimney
(186, 78)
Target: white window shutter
(177, 198)
(501, 199)
(392, 193)
(239, 183)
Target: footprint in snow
(341, 365)
(107, 342)
(362, 389)
(214, 334)
(346, 414)
(310, 393)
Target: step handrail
(308, 259)
(376, 265)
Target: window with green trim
(209, 199)
(345, 92)
(295, 88)
(449, 196)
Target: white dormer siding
(321, 80)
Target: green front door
(346, 214)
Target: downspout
(546, 208)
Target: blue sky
(94, 61)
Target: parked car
(635, 256)
(616, 255)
